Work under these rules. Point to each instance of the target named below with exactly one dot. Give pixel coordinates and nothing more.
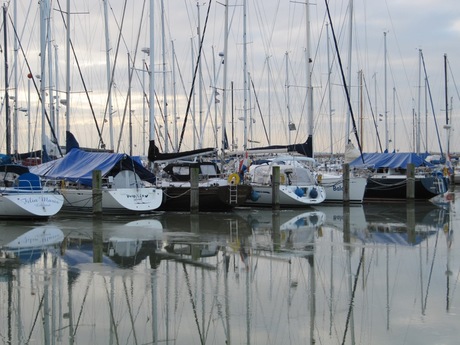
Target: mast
(173, 52)
(56, 67)
(108, 70)
(224, 88)
(309, 85)
(385, 89)
(417, 134)
(15, 110)
(329, 71)
(245, 72)
(200, 79)
(447, 126)
(165, 101)
(7, 102)
(152, 76)
(350, 40)
(43, 13)
(67, 72)
(287, 99)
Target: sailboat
(22, 194)
(387, 176)
(127, 187)
(298, 185)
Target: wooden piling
(276, 187)
(194, 191)
(346, 182)
(410, 186)
(97, 192)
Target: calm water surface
(372, 274)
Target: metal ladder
(233, 194)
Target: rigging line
(431, 103)
(431, 272)
(116, 56)
(372, 113)
(53, 133)
(260, 111)
(353, 295)
(112, 316)
(194, 77)
(131, 72)
(130, 312)
(453, 79)
(339, 59)
(101, 141)
(83, 304)
(158, 134)
(193, 303)
(36, 318)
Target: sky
(275, 54)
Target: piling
(97, 192)
(410, 186)
(346, 182)
(276, 187)
(194, 191)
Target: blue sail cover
(78, 166)
(390, 160)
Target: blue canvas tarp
(390, 160)
(78, 166)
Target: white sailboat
(298, 185)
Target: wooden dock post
(97, 192)
(346, 182)
(194, 191)
(410, 186)
(276, 187)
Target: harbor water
(367, 274)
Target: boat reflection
(251, 276)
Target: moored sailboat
(127, 187)
(23, 196)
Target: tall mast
(447, 125)
(245, 72)
(385, 89)
(200, 80)
(67, 87)
(309, 84)
(43, 16)
(7, 104)
(350, 41)
(165, 101)
(329, 71)
(109, 73)
(288, 107)
(152, 76)
(15, 110)
(224, 87)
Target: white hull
(123, 200)
(29, 204)
(287, 196)
(333, 184)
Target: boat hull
(334, 188)
(121, 200)
(395, 187)
(30, 204)
(211, 198)
(262, 195)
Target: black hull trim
(396, 188)
(211, 199)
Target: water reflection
(332, 274)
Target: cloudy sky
(275, 57)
